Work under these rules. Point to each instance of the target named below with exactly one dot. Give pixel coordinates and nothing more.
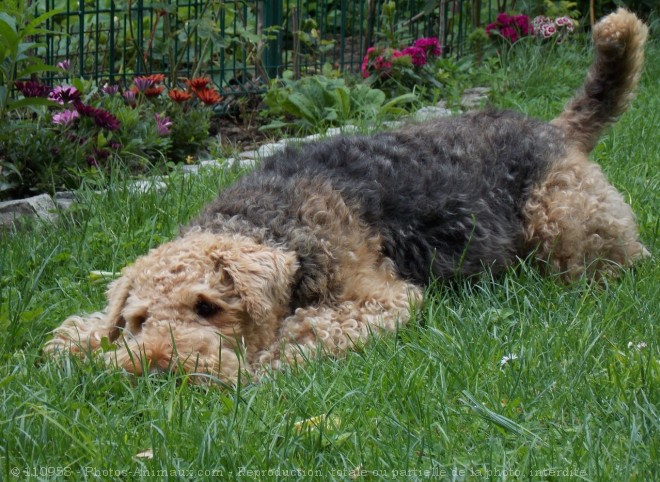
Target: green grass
(577, 401)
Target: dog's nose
(156, 370)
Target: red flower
(152, 92)
(198, 83)
(156, 78)
(208, 96)
(179, 96)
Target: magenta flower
(64, 94)
(163, 125)
(417, 54)
(502, 18)
(102, 118)
(32, 88)
(430, 45)
(523, 24)
(98, 155)
(65, 118)
(509, 33)
(510, 27)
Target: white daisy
(506, 359)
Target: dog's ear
(117, 296)
(262, 277)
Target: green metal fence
(240, 44)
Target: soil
(238, 135)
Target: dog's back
(445, 196)
(448, 197)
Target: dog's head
(196, 300)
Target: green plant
(561, 8)
(17, 60)
(35, 158)
(317, 102)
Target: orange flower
(208, 96)
(156, 78)
(198, 83)
(178, 95)
(152, 92)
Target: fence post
(272, 18)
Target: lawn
(512, 377)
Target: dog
(326, 244)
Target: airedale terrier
(327, 243)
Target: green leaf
(35, 68)
(300, 105)
(31, 102)
(8, 35)
(31, 28)
(9, 20)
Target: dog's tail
(619, 43)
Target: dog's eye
(206, 309)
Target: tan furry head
(189, 301)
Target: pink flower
(540, 20)
(143, 83)
(65, 118)
(365, 67)
(382, 64)
(129, 95)
(64, 94)
(163, 125)
(565, 23)
(110, 89)
(64, 64)
(417, 54)
(548, 30)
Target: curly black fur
(445, 196)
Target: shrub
(84, 129)
(399, 71)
